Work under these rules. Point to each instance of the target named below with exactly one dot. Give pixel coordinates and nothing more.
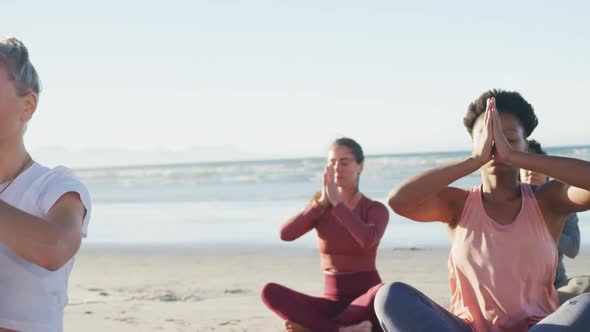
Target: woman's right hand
(483, 141)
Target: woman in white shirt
(44, 212)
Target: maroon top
(347, 239)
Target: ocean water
(244, 203)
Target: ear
(30, 105)
(526, 145)
(361, 166)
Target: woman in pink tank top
(503, 256)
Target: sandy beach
(217, 289)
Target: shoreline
(225, 248)
(231, 249)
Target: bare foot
(294, 327)
(365, 326)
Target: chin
(499, 169)
(343, 183)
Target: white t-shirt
(32, 299)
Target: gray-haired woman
(44, 212)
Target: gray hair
(15, 58)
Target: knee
(270, 291)
(393, 290)
(581, 300)
(391, 296)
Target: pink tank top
(501, 276)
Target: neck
(348, 194)
(501, 187)
(12, 157)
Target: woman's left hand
(331, 186)
(502, 150)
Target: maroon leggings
(348, 299)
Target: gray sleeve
(569, 240)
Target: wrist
(322, 203)
(476, 162)
(512, 158)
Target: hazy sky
(283, 78)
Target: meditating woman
(503, 233)
(349, 227)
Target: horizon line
(254, 161)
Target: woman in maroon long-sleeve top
(349, 227)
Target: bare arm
(570, 193)
(428, 197)
(574, 172)
(49, 243)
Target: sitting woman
(503, 234)
(349, 227)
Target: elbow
(55, 258)
(393, 200)
(396, 203)
(576, 250)
(51, 262)
(569, 246)
(54, 266)
(286, 236)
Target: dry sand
(212, 289)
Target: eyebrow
(512, 130)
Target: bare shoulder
(548, 197)
(445, 206)
(553, 207)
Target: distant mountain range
(106, 157)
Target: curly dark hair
(507, 102)
(535, 147)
